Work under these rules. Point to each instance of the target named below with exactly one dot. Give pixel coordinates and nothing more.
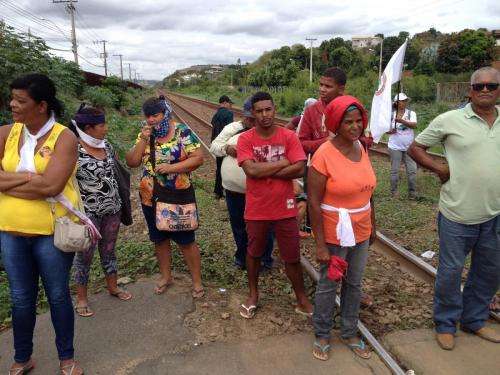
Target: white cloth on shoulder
(27, 152)
(345, 232)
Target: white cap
(402, 96)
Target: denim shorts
(157, 236)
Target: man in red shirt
(271, 157)
(312, 132)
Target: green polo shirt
(472, 149)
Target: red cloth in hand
(336, 268)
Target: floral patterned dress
(183, 144)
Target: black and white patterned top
(98, 186)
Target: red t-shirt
(269, 198)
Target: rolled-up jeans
(26, 259)
(350, 294)
(411, 170)
(470, 307)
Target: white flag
(380, 118)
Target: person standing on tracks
(221, 118)
(469, 209)
(178, 153)
(341, 184)
(271, 157)
(234, 183)
(401, 136)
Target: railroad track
(406, 260)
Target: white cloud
(158, 37)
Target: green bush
(101, 97)
(118, 88)
(420, 87)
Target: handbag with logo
(175, 210)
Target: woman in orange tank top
(341, 182)
(38, 157)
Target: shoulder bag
(69, 236)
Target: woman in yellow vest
(38, 157)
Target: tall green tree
(465, 51)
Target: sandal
(324, 351)
(84, 311)
(248, 312)
(161, 288)
(303, 313)
(360, 349)
(495, 305)
(122, 295)
(68, 369)
(24, 369)
(200, 293)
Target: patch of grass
(410, 223)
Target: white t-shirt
(402, 139)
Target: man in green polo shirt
(469, 208)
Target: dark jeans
(25, 260)
(470, 307)
(236, 208)
(218, 190)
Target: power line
(27, 14)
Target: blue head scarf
(162, 106)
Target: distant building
(364, 41)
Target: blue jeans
(470, 307)
(25, 260)
(350, 293)
(236, 208)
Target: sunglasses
(481, 86)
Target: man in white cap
(403, 122)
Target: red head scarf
(334, 112)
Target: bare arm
(294, 170)
(255, 169)
(316, 184)
(194, 160)
(418, 152)
(408, 124)
(8, 180)
(56, 175)
(134, 155)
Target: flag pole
(399, 86)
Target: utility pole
(70, 8)
(104, 55)
(121, 65)
(311, 60)
(129, 72)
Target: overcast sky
(157, 37)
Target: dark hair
(81, 125)
(260, 96)
(40, 88)
(337, 74)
